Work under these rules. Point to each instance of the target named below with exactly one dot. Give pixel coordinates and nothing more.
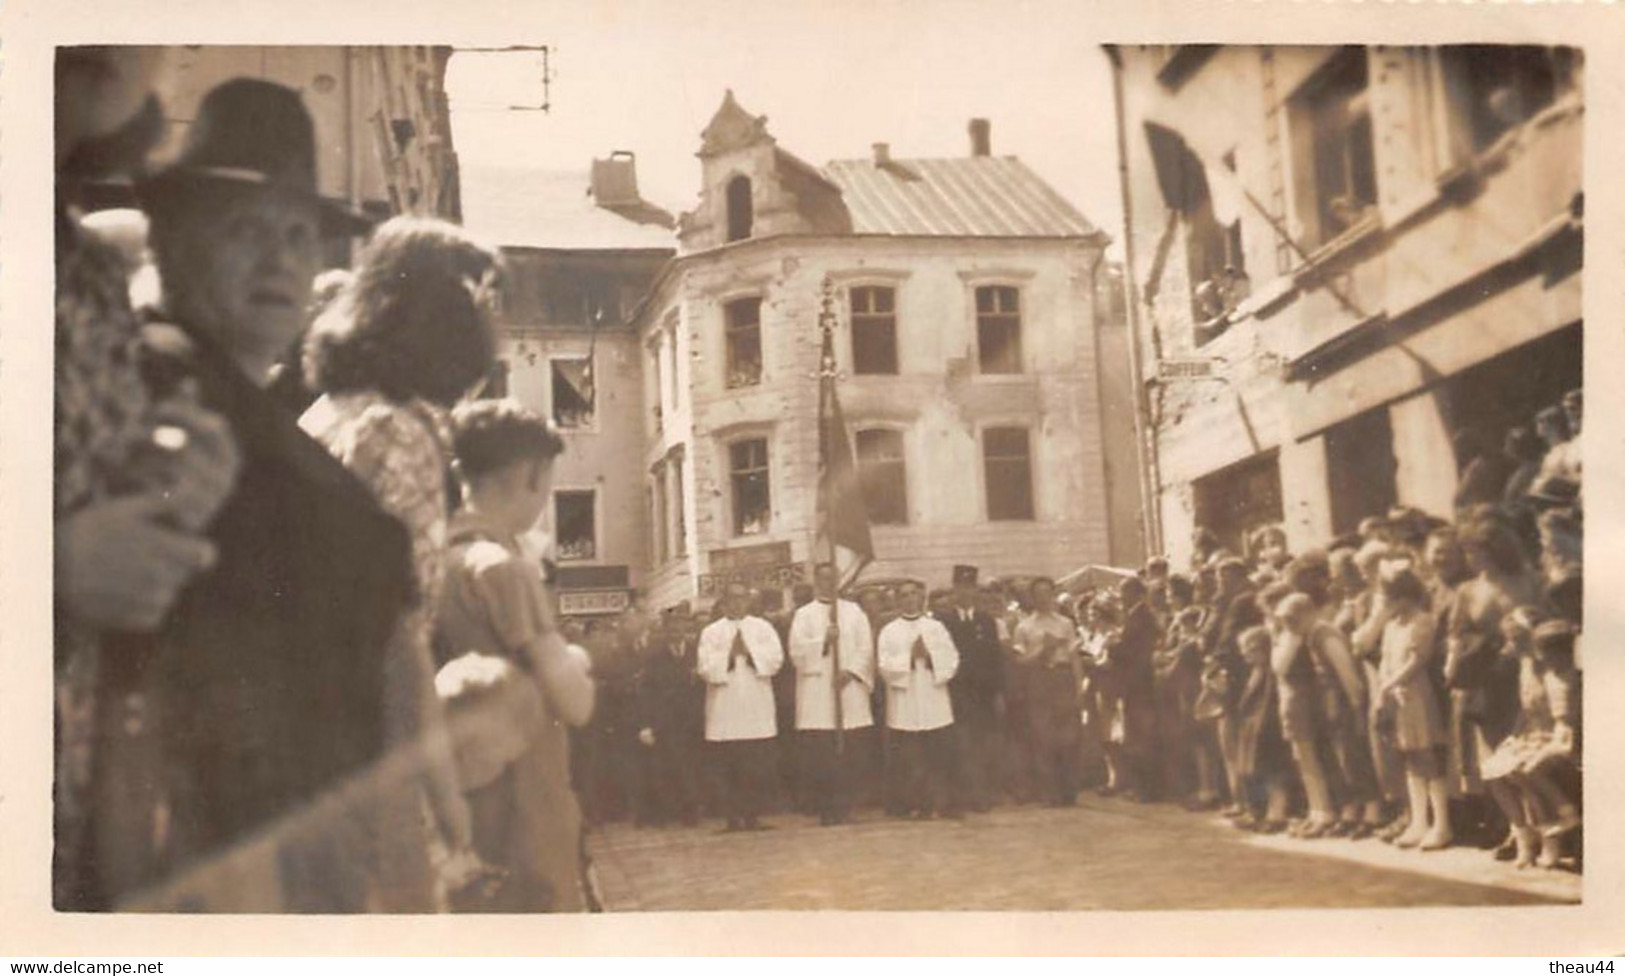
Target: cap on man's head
(965, 575)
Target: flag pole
(826, 382)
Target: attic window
(739, 208)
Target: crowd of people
(1416, 680)
(306, 660)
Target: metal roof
(512, 207)
(971, 196)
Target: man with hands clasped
(738, 656)
(833, 734)
(917, 659)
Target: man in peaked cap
(976, 690)
(266, 676)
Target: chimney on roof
(615, 180)
(882, 154)
(981, 137)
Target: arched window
(739, 208)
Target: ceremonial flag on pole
(843, 522)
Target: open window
(1332, 148)
(572, 385)
(576, 525)
(1498, 87)
(749, 478)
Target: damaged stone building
(970, 348)
(1343, 260)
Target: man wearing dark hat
(268, 673)
(975, 690)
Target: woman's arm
(565, 682)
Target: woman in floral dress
(409, 338)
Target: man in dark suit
(266, 679)
(671, 713)
(976, 693)
(1129, 656)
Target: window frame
(979, 318)
(558, 525)
(730, 329)
(870, 318)
(1031, 457)
(1309, 118)
(677, 503)
(729, 214)
(591, 426)
(735, 523)
(904, 500)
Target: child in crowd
(513, 687)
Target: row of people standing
(1003, 718)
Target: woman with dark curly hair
(402, 343)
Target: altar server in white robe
(737, 657)
(917, 660)
(828, 773)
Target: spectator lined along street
(434, 539)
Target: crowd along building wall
(1339, 254)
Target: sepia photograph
(938, 465)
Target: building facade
(1342, 258)
(383, 124)
(581, 250)
(969, 356)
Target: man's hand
(117, 568)
(646, 736)
(198, 458)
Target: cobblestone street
(1106, 854)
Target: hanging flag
(843, 523)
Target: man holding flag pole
(831, 642)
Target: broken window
(1331, 118)
(743, 326)
(1008, 469)
(874, 330)
(740, 214)
(752, 497)
(572, 384)
(998, 329)
(883, 476)
(575, 525)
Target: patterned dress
(401, 452)
(101, 415)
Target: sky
(832, 78)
